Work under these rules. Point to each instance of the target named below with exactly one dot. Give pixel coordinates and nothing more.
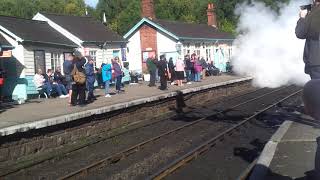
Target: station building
(152, 36)
(35, 45)
(93, 37)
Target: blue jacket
(106, 72)
(90, 73)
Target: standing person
(126, 74)
(308, 27)
(106, 73)
(172, 72)
(99, 76)
(89, 68)
(180, 71)
(163, 71)
(311, 101)
(117, 73)
(2, 79)
(193, 61)
(204, 65)
(152, 68)
(67, 69)
(197, 70)
(188, 67)
(79, 78)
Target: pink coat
(197, 67)
(179, 65)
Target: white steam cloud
(268, 49)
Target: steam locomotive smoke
(267, 48)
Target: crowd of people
(78, 82)
(190, 69)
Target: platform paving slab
(290, 154)
(41, 113)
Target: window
(93, 55)
(39, 61)
(208, 54)
(55, 61)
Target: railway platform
(291, 153)
(42, 113)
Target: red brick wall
(148, 38)
(147, 9)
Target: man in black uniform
(311, 100)
(163, 71)
(308, 27)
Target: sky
(91, 3)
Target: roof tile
(85, 28)
(34, 31)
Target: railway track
(117, 157)
(201, 149)
(133, 149)
(103, 138)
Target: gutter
(103, 42)
(205, 39)
(50, 43)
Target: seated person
(58, 77)
(39, 82)
(212, 70)
(228, 67)
(311, 98)
(58, 88)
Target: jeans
(60, 89)
(197, 76)
(47, 88)
(118, 83)
(106, 87)
(188, 74)
(90, 88)
(152, 78)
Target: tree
(28, 8)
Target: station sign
(5, 54)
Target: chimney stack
(147, 9)
(212, 17)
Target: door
(173, 55)
(39, 61)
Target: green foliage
(121, 15)
(28, 8)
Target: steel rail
(176, 164)
(125, 153)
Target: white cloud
(91, 3)
(269, 50)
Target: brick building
(152, 36)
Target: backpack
(78, 77)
